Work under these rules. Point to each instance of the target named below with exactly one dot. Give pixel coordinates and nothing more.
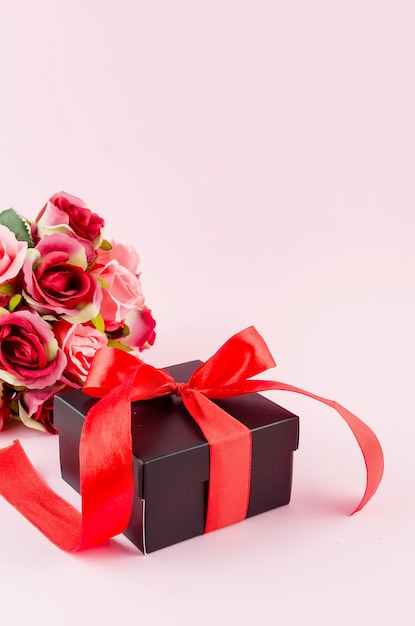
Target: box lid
(169, 449)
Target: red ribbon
(106, 450)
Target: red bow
(106, 450)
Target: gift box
(171, 459)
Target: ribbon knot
(180, 388)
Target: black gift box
(171, 459)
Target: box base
(179, 515)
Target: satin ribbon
(106, 472)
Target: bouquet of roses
(65, 292)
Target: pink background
(260, 156)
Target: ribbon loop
(242, 356)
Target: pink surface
(260, 156)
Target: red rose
(56, 280)
(6, 394)
(141, 335)
(36, 407)
(66, 214)
(29, 353)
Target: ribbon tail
(106, 466)
(23, 488)
(365, 437)
(106, 471)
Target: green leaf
(105, 245)
(117, 344)
(14, 222)
(99, 323)
(8, 289)
(15, 301)
(103, 282)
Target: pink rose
(141, 333)
(79, 344)
(69, 215)
(29, 353)
(56, 280)
(12, 254)
(118, 268)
